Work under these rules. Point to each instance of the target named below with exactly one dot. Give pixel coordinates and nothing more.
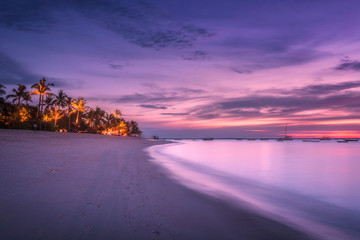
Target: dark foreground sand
(79, 186)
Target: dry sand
(82, 186)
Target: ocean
(312, 186)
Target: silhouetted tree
(96, 118)
(14, 114)
(79, 106)
(42, 89)
(68, 101)
(27, 98)
(56, 114)
(60, 99)
(2, 92)
(18, 96)
(134, 129)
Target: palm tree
(90, 117)
(46, 117)
(18, 96)
(117, 114)
(2, 92)
(49, 102)
(79, 106)
(109, 119)
(134, 129)
(24, 114)
(122, 127)
(96, 118)
(68, 101)
(42, 89)
(60, 99)
(27, 98)
(56, 114)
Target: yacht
(286, 137)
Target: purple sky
(201, 68)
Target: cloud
(294, 103)
(322, 89)
(66, 83)
(147, 98)
(183, 90)
(289, 58)
(25, 15)
(262, 47)
(241, 71)
(152, 106)
(195, 56)
(346, 64)
(160, 97)
(175, 114)
(13, 72)
(115, 66)
(141, 23)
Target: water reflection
(312, 185)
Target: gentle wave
(323, 219)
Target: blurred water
(309, 185)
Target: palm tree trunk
(42, 104)
(19, 102)
(41, 109)
(77, 117)
(77, 120)
(55, 118)
(69, 121)
(38, 110)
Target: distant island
(59, 112)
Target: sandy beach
(83, 186)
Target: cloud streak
(346, 65)
(297, 102)
(13, 72)
(140, 22)
(143, 24)
(322, 89)
(152, 106)
(156, 100)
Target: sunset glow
(229, 69)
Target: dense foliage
(58, 112)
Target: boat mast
(285, 130)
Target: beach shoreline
(86, 186)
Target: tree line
(58, 112)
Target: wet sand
(84, 186)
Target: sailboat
(286, 137)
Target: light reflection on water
(312, 185)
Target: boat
(251, 139)
(208, 139)
(342, 141)
(310, 140)
(264, 139)
(286, 137)
(351, 140)
(325, 138)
